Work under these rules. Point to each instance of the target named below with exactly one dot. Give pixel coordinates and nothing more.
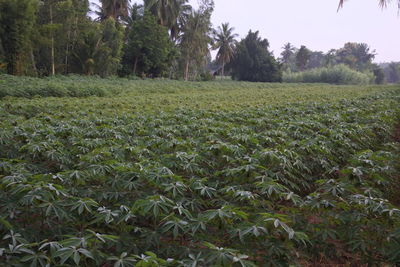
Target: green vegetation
(150, 94)
(149, 49)
(159, 38)
(253, 62)
(15, 33)
(97, 170)
(58, 86)
(225, 43)
(339, 74)
(302, 58)
(392, 72)
(167, 173)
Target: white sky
(314, 23)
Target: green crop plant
(166, 173)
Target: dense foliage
(16, 21)
(392, 72)
(338, 74)
(225, 43)
(317, 65)
(174, 40)
(149, 49)
(302, 57)
(50, 37)
(220, 93)
(357, 56)
(100, 181)
(195, 40)
(254, 62)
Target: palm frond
(382, 3)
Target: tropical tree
(98, 50)
(287, 56)
(287, 53)
(16, 23)
(356, 55)
(330, 58)
(225, 43)
(303, 57)
(379, 74)
(316, 60)
(149, 49)
(392, 72)
(111, 49)
(254, 62)
(136, 12)
(116, 9)
(54, 19)
(169, 13)
(196, 38)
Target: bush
(339, 74)
(206, 76)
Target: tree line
(357, 56)
(160, 38)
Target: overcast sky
(314, 23)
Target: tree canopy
(149, 49)
(16, 22)
(254, 62)
(225, 44)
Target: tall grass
(339, 74)
(58, 86)
(84, 86)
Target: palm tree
(225, 43)
(195, 39)
(169, 13)
(115, 9)
(382, 3)
(287, 53)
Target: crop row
(275, 186)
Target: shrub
(339, 74)
(206, 76)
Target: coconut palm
(195, 40)
(115, 9)
(169, 13)
(225, 43)
(287, 53)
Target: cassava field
(113, 172)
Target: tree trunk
(33, 62)
(135, 65)
(14, 65)
(53, 69)
(187, 70)
(11, 64)
(222, 71)
(75, 36)
(67, 51)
